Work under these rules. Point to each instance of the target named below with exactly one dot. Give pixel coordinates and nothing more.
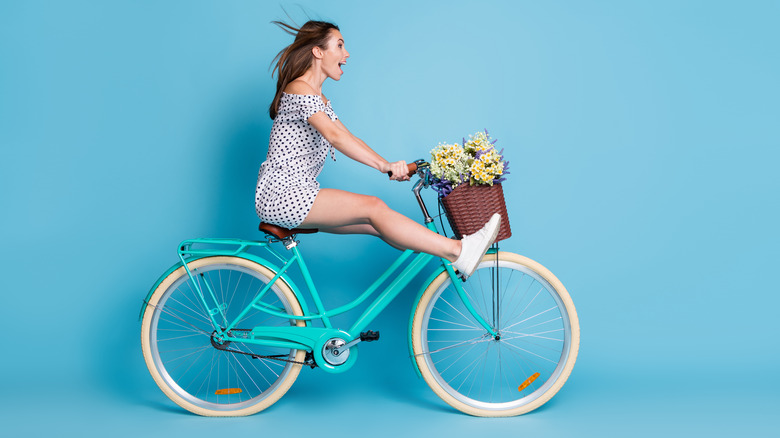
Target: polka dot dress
(287, 183)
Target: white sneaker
(474, 246)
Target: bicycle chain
(309, 360)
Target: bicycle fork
(455, 279)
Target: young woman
(304, 133)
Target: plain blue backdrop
(643, 140)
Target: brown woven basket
(470, 207)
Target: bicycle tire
(177, 343)
(483, 376)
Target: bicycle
(225, 332)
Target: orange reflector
(228, 391)
(528, 381)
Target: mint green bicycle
(225, 332)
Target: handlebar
(412, 168)
(419, 167)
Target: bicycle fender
(428, 281)
(154, 287)
(252, 257)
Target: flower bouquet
(468, 179)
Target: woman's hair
(293, 61)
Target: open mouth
(340, 69)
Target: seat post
(290, 242)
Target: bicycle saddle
(283, 233)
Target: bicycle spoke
(540, 323)
(475, 361)
(192, 328)
(440, 310)
(459, 325)
(535, 335)
(458, 358)
(179, 337)
(505, 288)
(167, 312)
(520, 302)
(195, 303)
(198, 350)
(468, 342)
(471, 369)
(531, 317)
(482, 314)
(459, 312)
(529, 352)
(247, 375)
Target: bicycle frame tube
(391, 292)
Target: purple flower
(443, 187)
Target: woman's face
(334, 56)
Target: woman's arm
(339, 136)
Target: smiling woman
(306, 130)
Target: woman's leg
(358, 229)
(341, 211)
(352, 229)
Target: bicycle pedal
(369, 336)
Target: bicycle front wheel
(514, 372)
(190, 366)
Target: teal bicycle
(225, 331)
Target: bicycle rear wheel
(521, 369)
(191, 368)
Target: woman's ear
(317, 52)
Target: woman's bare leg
(341, 211)
(358, 229)
(353, 229)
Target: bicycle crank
(336, 350)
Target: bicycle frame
(307, 337)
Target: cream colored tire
(182, 358)
(478, 374)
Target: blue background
(643, 139)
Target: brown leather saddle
(283, 233)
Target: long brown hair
(293, 61)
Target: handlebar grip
(412, 170)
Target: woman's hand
(399, 171)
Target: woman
(305, 131)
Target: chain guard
(309, 360)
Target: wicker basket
(470, 207)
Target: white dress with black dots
(287, 183)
